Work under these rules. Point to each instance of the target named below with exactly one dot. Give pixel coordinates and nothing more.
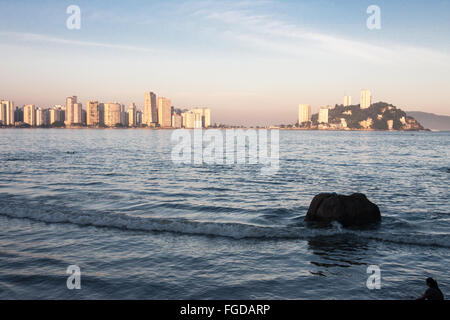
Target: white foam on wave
(122, 221)
(230, 230)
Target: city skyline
(158, 112)
(237, 57)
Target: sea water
(138, 226)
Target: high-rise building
(198, 123)
(39, 117)
(56, 114)
(101, 112)
(164, 112)
(205, 116)
(304, 113)
(70, 102)
(2, 113)
(47, 117)
(146, 116)
(123, 115)
(113, 114)
(83, 117)
(132, 115)
(347, 101)
(138, 118)
(7, 112)
(18, 114)
(42, 117)
(192, 119)
(150, 114)
(63, 114)
(188, 119)
(29, 115)
(94, 114)
(77, 114)
(176, 120)
(184, 119)
(323, 115)
(366, 99)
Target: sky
(251, 62)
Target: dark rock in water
(353, 210)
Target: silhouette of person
(433, 292)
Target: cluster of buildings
(304, 110)
(158, 112)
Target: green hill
(379, 116)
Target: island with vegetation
(379, 116)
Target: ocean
(139, 226)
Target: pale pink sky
(252, 63)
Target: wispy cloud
(267, 33)
(41, 38)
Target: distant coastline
(219, 128)
(380, 116)
(432, 121)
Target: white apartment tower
(77, 113)
(94, 113)
(39, 117)
(176, 121)
(29, 115)
(366, 99)
(113, 114)
(3, 113)
(207, 117)
(304, 113)
(55, 114)
(192, 120)
(7, 112)
(164, 112)
(323, 115)
(132, 121)
(203, 115)
(70, 102)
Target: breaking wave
(221, 229)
